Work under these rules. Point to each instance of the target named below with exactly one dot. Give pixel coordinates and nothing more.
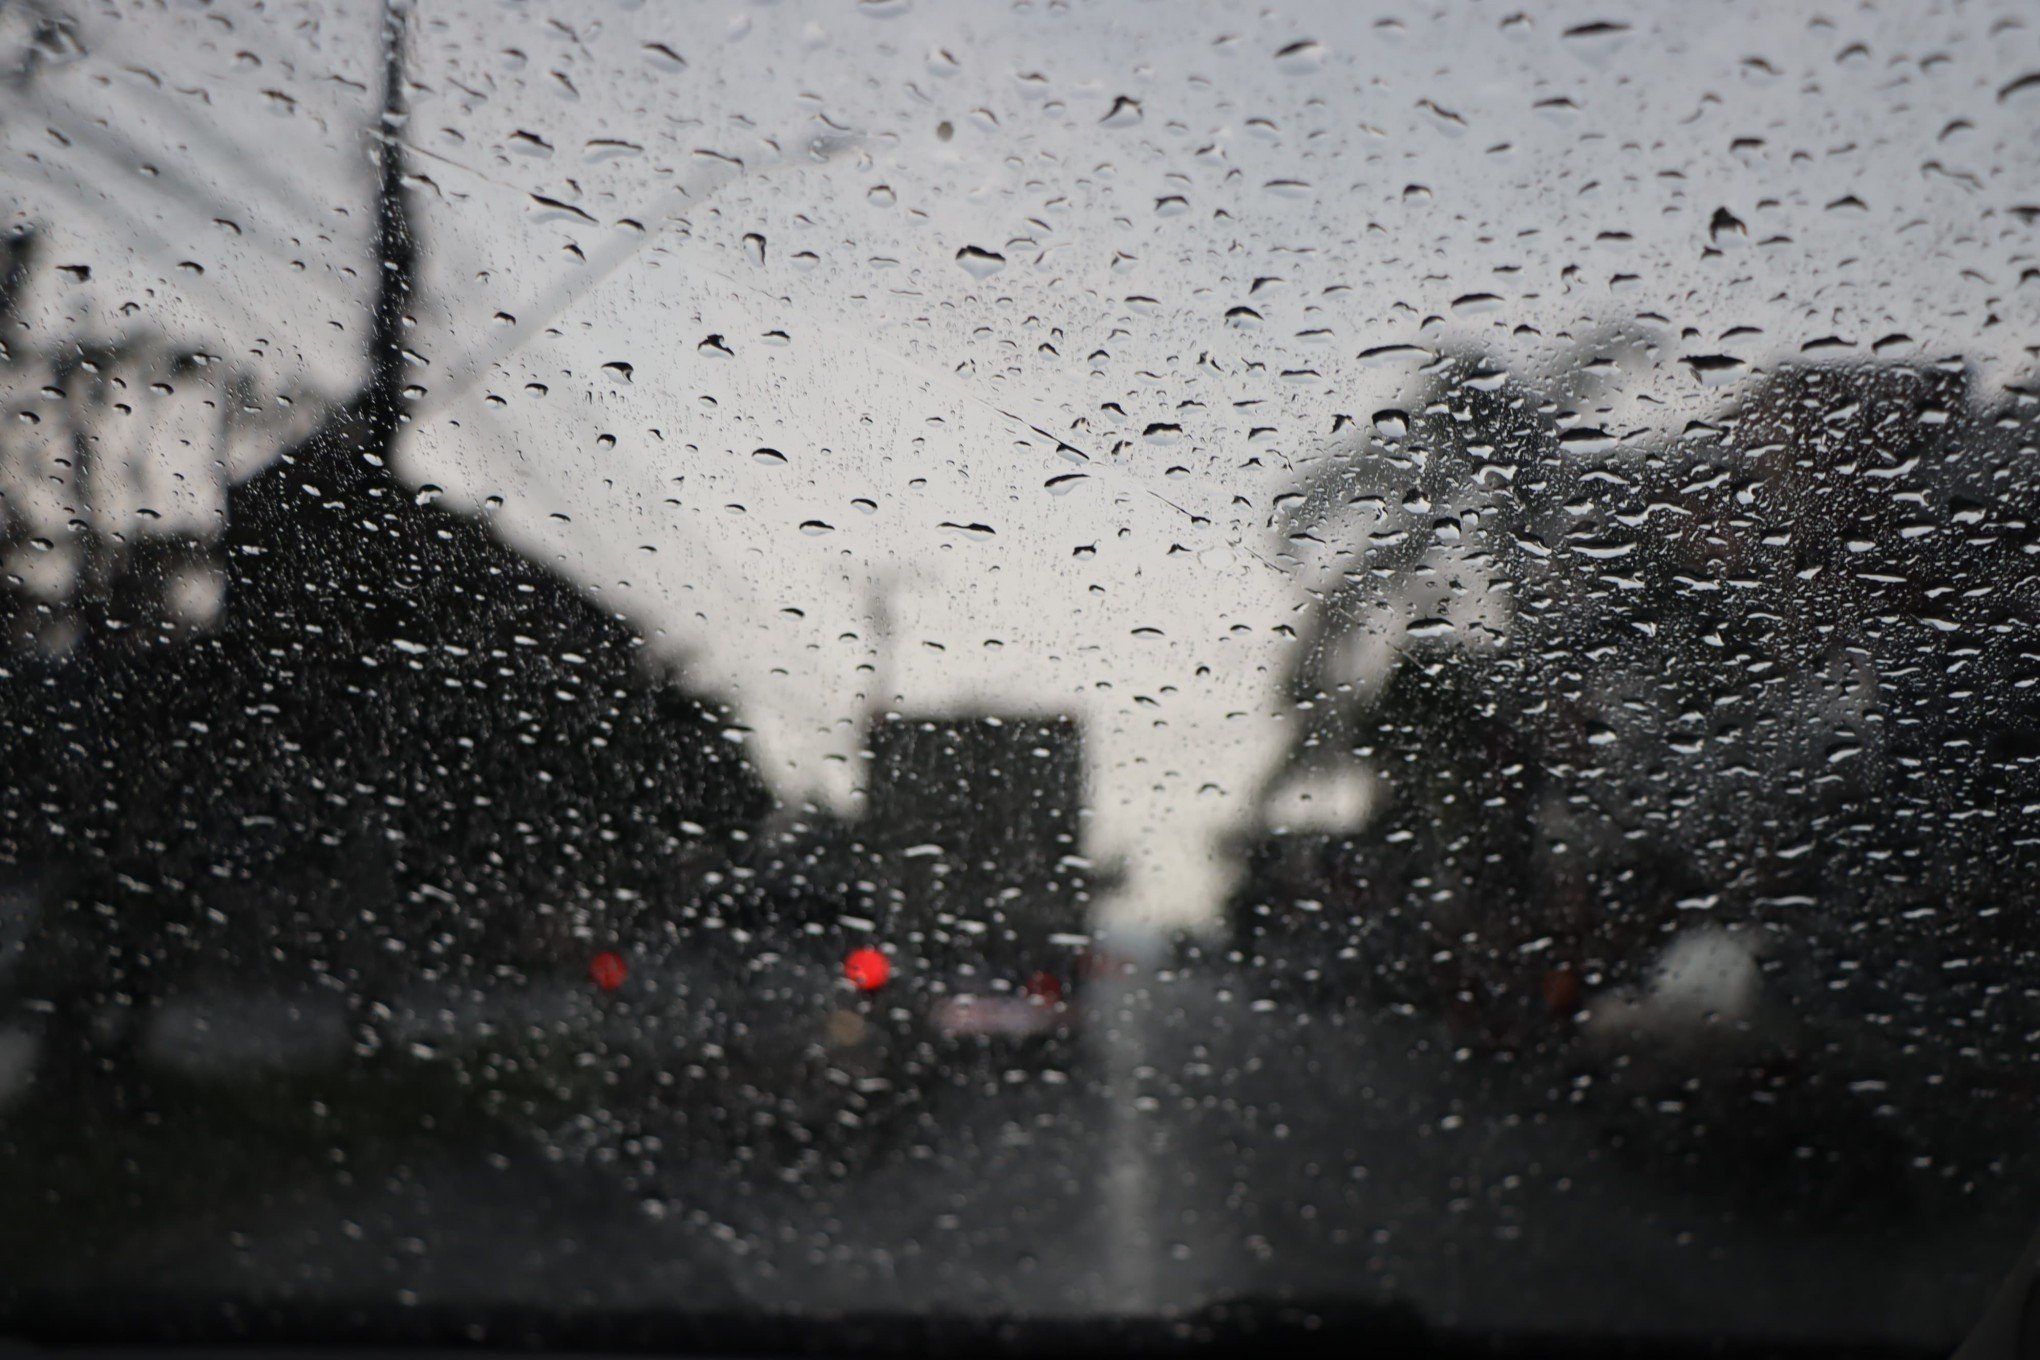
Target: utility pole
(349, 451)
(396, 249)
(877, 702)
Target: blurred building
(977, 825)
(348, 740)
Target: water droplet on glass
(663, 57)
(1300, 57)
(980, 263)
(1125, 112)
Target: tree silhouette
(1778, 671)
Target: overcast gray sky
(924, 234)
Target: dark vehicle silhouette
(921, 948)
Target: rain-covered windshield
(1273, 670)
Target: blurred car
(823, 1044)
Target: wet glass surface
(1364, 667)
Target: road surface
(1206, 1144)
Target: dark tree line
(1777, 672)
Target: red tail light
(1046, 988)
(608, 970)
(1562, 990)
(868, 969)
